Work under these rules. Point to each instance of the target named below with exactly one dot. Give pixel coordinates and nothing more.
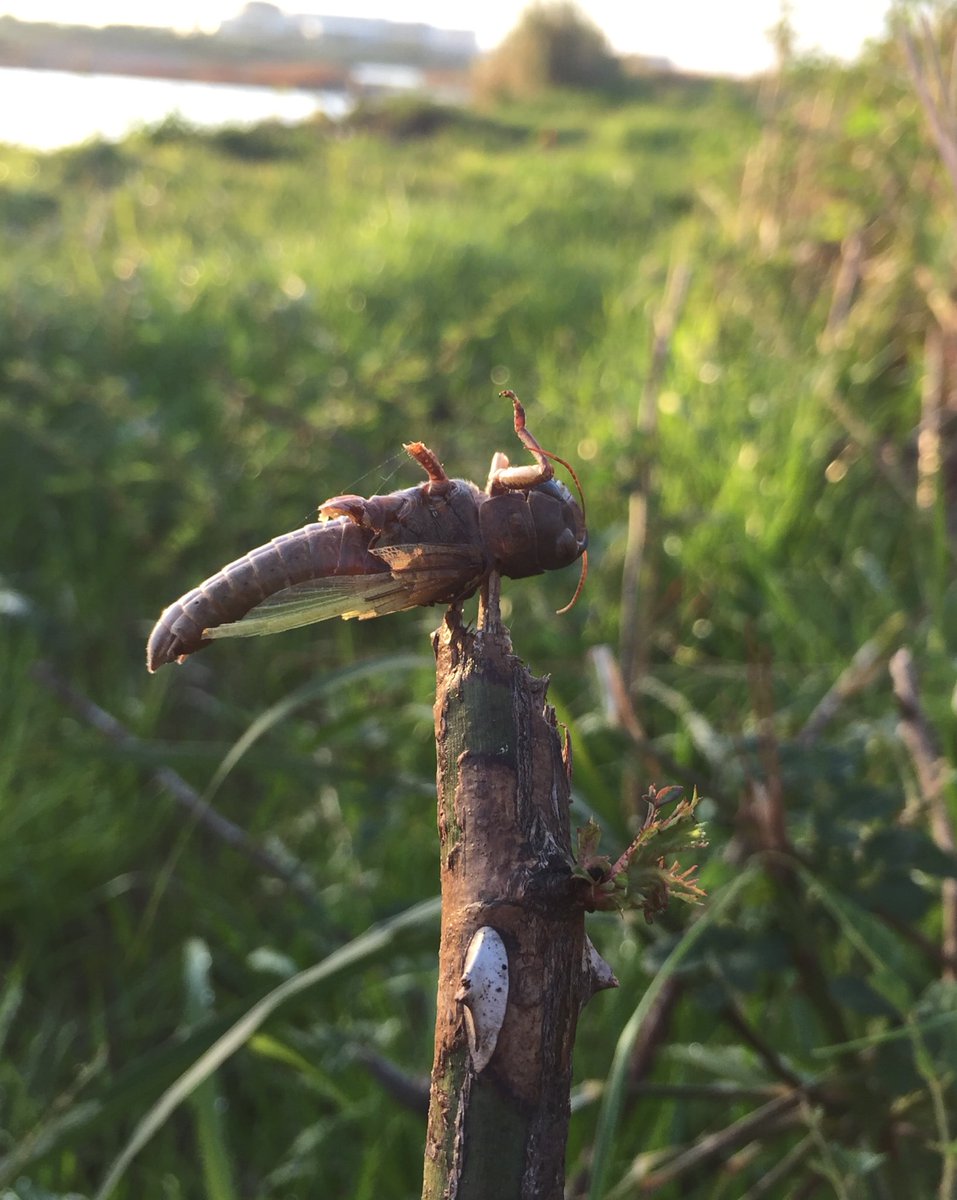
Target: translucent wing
(318, 600)
(434, 573)
(417, 575)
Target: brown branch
(736, 1018)
(173, 784)
(863, 669)
(927, 946)
(772, 1118)
(917, 735)
(720, 1093)
(410, 1091)
(514, 969)
(621, 712)
(785, 1166)
(931, 418)
(845, 285)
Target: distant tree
(554, 45)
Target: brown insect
(435, 543)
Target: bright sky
(726, 36)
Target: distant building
(259, 20)
(647, 64)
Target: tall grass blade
(358, 950)
(205, 1100)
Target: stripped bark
(497, 1128)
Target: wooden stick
(498, 1116)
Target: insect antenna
(584, 571)
(539, 452)
(560, 612)
(571, 471)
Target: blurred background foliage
(733, 307)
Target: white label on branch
(484, 992)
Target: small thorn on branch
(598, 974)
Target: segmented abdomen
(338, 547)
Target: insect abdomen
(338, 547)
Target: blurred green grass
(207, 334)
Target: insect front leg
(419, 451)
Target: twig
(926, 945)
(939, 300)
(859, 674)
(721, 1093)
(845, 285)
(617, 703)
(770, 1118)
(621, 712)
(929, 431)
(781, 1170)
(884, 457)
(734, 1015)
(411, 1091)
(917, 735)
(763, 799)
(935, 107)
(202, 812)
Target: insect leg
(499, 463)
(438, 480)
(518, 478)
(489, 618)
(528, 440)
(503, 478)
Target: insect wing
(318, 600)
(418, 575)
(434, 573)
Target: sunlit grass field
(202, 337)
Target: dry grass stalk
(635, 619)
(932, 777)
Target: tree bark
(498, 1124)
